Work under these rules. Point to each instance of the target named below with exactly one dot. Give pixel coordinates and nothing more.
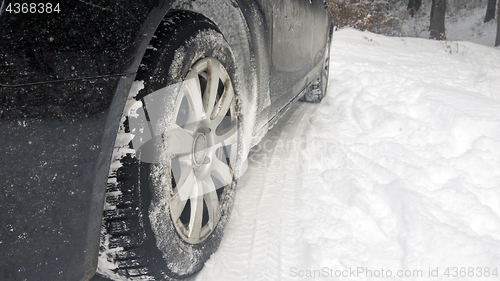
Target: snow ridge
(397, 169)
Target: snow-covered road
(396, 172)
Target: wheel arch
(238, 23)
(243, 25)
(144, 57)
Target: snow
(396, 171)
(463, 22)
(105, 266)
(476, 30)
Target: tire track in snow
(400, 169)
(260, 242)
(277, 201)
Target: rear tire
(167, 203)
(317, 89)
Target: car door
(322, 29)
(291, 54)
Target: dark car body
(64, 80)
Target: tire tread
(122, 221)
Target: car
(126, 125)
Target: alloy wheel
(201, 166)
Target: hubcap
(202, 143)
(199, 149)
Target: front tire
(170, 196)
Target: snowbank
(398, 170)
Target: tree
(490, 10)
(497, 41)
(414, 6)
(438, 11)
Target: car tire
(171, 185)
(318, 88)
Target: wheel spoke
(196, 217)
(177, 205)
(228, 136)
(214, 71)
(192, 91)
(225, 101)
(222, 172)
(212, 202)
(184, 178)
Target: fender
(53, 206)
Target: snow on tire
(317, 89)
(171, 184)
